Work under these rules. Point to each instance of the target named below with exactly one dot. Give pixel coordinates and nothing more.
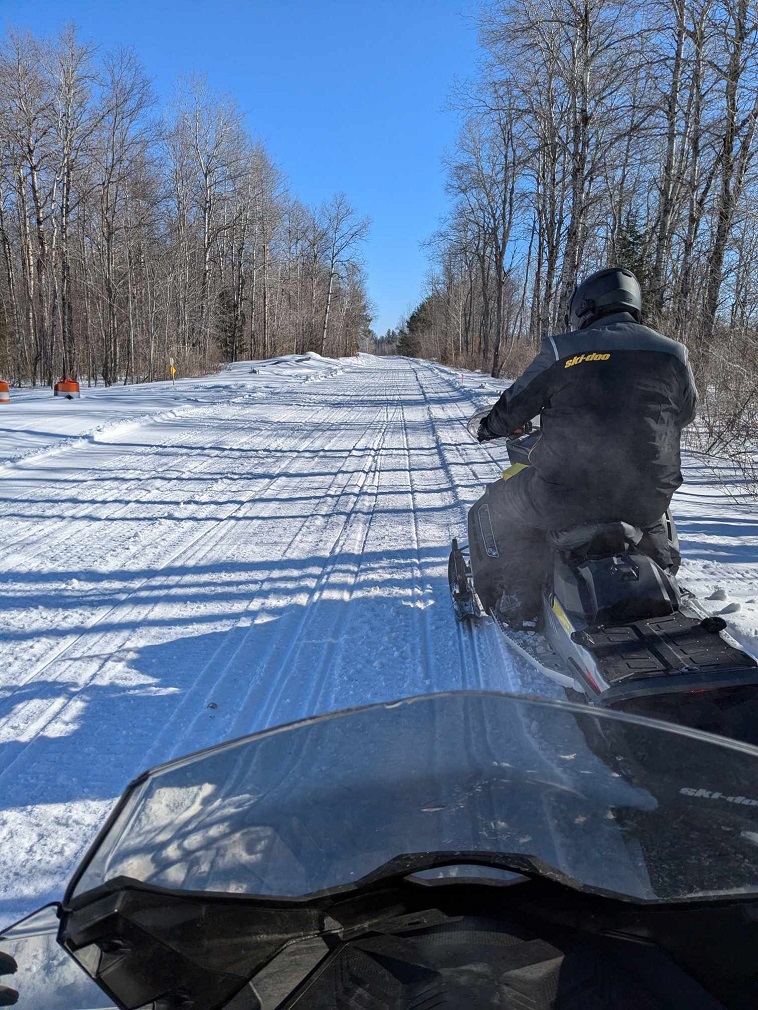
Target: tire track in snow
(352, 539)
(214, 679)
(483, 637)
(57, 541)
(126, 616)
(167, 537)
(426, 652)
(207, 417)
(480, 644)
(476, 653)
(265, 691)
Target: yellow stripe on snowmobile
(560, 613)
(513, 469)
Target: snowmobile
(617, 630)
(458, 850)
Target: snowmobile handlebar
(527, 430)
(519, 442)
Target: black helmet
(604, 292)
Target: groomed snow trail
(212, 572)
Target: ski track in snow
(212, 571)
(184, 566)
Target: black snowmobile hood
(411, 816)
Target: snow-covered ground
(212, 560)
(37, 421)
(718, 527)
(185, 565)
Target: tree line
(131, 237)
(604, 133)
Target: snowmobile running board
(680, 682)
(535, 648)
(675, 655)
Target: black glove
(8, 997)
(483, 433)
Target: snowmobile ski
(465, 603)
(533, 646)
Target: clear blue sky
(346, 94)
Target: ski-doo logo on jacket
(586, 357)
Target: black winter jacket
(613, 400)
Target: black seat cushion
(606, 537)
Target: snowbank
(38, 422)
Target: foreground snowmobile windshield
(610, 803)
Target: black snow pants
(508, 542)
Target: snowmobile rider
(613, 396)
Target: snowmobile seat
(602, 575)
(598, 539)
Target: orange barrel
(67, 387)
(5, 392)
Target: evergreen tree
(230, 326)
(419, 323)
(632, 250)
